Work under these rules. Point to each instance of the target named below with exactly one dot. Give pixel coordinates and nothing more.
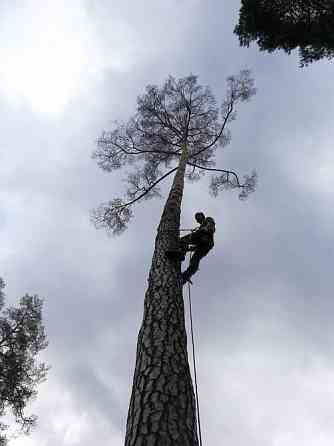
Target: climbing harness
(175, 253)
(194, 362)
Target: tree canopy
(180, 112)
(22, 337)
(284, 24)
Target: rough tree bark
(162, 406)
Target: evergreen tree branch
(114, 215)
(150, 188)
(227, 172)
(219, 135)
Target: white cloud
(50, 50)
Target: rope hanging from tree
(194, 363)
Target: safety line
(179, 230)
(194, 365)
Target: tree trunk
(162, 406)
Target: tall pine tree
(177, 129)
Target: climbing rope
(180, 230)
(194, 363)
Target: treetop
(181, 112)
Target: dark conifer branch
(285, 24)
(22, 336)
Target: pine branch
(228, 172)
(115, 214)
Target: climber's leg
(193, 265)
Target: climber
(202, 239)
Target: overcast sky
(263, 299)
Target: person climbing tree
(200, 241)
(178, 128)
(203, 239)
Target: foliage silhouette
(284, 24)
(22, 337)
